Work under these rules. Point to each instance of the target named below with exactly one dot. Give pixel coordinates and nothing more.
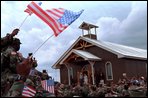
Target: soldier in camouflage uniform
(93, 91)
(10, 58)
(6, 48)
(40, 92)
(8, 39)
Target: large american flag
(58, 19)
(48, 85)
(28, 91)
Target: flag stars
(69, 17)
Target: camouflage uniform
(93, 92)
(16, 89)
(9, 60)
(45, 75)
(6, 41)
(29, 82)
(60, 91)
(40, 90)
(13, 58)
(85, 90)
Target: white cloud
(127, 31)
(108, 26)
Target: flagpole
(43, 44)
(24, 21)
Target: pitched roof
(84, 54)
(121, 51)
(87, 26)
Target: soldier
(8, 39)
(125, 91)
(10, 61)
(6, 48)
(60, 91)
(45, 75)
(37, 79)
(93, 92)
(9, 48)
(85, 90)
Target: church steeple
(88, 27)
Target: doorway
(87, 70)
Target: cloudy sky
(122, 22)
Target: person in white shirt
(85, 79)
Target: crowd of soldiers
(124, 88)
(18, 71)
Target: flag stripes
(29, 11)
(56, 13)
(48, 85)
(28, 91)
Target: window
(109, 73)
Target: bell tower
(87, 27)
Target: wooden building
(90, 56)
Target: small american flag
(48, 85)
(28, 91)
(58, 19)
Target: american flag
(48, 85)
(28, 91)
(58, 19)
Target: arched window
(109, 73)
